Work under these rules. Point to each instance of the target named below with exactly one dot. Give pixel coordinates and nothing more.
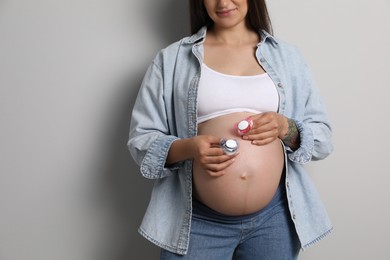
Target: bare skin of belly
(250, 182)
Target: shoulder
(170, 52)
(289, 50)
(182, 46)
(277, 45)
(175, 46)
(280, 51)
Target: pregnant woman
(257, 202)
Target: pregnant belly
(250, 182)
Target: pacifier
(244, 126)
(229, 146)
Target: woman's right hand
(208, 153)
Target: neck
(233, 36)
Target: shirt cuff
(304, 153)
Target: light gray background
(69, 73)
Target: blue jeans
(268, 234)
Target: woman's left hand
(266, 128)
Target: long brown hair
(256, 18)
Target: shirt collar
(266, 36)
(201, 34)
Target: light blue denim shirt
(166, 110)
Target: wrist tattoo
(291, 138)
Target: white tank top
(220, 94)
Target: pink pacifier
(244, 126)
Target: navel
(244, 176)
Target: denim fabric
(267, 234)
(166, 110)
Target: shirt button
(294, 217)
(262, 60)
(288, 184)
(280, 85)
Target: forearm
(291, 137)
(180, 150)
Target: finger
(215, 151)
(218, 169)
(263, 141)
(214, 141)
(269, 119)
(217, 160)
(273, 133)
(262, 117)
(257, 116)
(216, 174)
(264, 131)
(263, 125)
